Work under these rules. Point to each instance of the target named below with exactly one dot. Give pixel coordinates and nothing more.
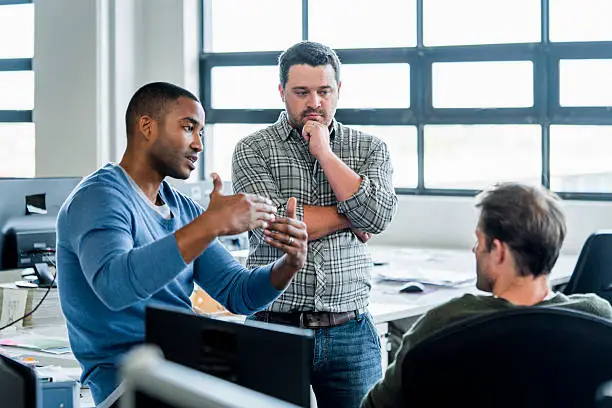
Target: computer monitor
(28, 212)
(272, 359)
(150, 381)
(19, 386)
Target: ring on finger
(290, 242)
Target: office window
(17, 156)
(220, 141)
(254, 87)
(368, 86)
(464, 93)
(585, 82)
(580, 158)
(497, 84)
(468, 22)
(572, 20)
(401, 142)
(17, 150)
(16, 31)
(247, 25)
(362, 23)
(476, 156)
(17, 90)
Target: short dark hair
(528, 219)
(310, 53)
(152, 100)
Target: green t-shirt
(387, 392)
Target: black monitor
(272, 359)
(28, 213)
(150, 381)
(19, 387)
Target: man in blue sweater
(126, 239)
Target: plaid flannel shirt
(276, 163)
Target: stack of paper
(48, 313)
(440, 277)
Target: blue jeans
(346, 363)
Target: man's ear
(339, 86)
(499, 250)
(281, 90)
(145, 126)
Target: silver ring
(290, 242)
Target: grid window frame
(546, 110)
(15, 64)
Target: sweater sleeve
(240, 290)
(98, 223)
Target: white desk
(387, 304)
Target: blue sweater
(116, 255)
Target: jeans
(346, 363)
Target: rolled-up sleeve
(373, 206)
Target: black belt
(310, 320)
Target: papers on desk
(437, 277)
(45, 344)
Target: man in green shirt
(518, 237)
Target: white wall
(449, 222)
(90, 57)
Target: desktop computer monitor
(19, 387)
(150, 381)
(272, 359)
(28, 213)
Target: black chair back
(593, 271)
(527, 357)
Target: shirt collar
(285, 129)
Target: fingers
(217, 183)
(283, 232)
(291, 207)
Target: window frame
(15, 64)
(546, 109)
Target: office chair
(19, 387)
(593, 271)
(527, 357)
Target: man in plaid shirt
(342, 179)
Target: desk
(388, 305)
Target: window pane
(572, 20)
(362, 23)
(17, 150)
(17, 31)
(221, 140)
(375, 86)
(247, 25)
(246, 88)
(480, 22)
(402, 144)
(585, 82)
(580, 158)
(476, 156)
(16, 90)
(497, 84)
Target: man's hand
(363, 236)
(240, 212)
(289, 235)
(317, 136)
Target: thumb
(291, 205)
(217, 184)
